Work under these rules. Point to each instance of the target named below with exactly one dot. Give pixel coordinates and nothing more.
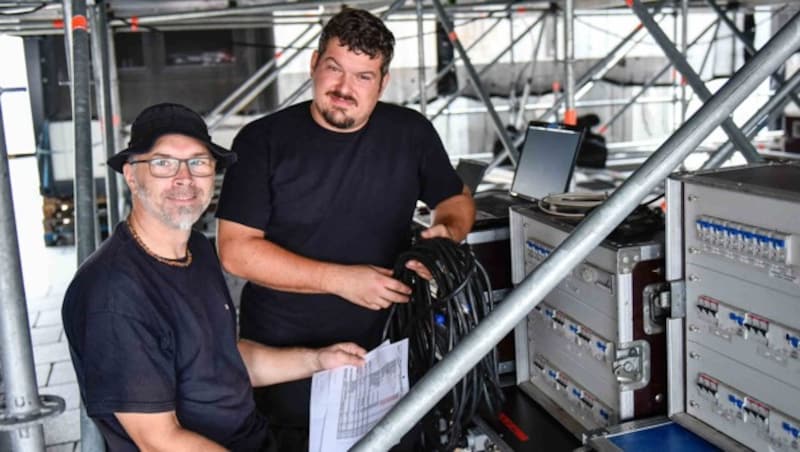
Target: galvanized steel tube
(16, 353)
(587, 236)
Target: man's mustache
(342, 96)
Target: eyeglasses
(168, 167)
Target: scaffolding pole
(757, 121)
(488, 66)
(247, 84)
(83, 192)
(570, 114)
(652, 81)
(261, 86)
(19, 379)
(499, 128)
(446, 68)
(235, 11)
(585, 238)
(684, 51)
(587, 80)
(102, 80)
(748, 47)
(421, 59)
(598, 70)
(691, 77)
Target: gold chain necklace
(185, 262)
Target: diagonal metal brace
(508, 144)
(683, 66)
(748, 46)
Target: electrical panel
(595, 346)
(741, 268)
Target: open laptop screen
(546, 161)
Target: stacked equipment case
(733, 335)
(739, 258)
(593, 352)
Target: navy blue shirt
(347, 198)
(148, 337)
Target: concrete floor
(46, 273)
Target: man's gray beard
(344, 124)
(186, 215)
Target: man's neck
(165, 241)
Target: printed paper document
(348, 401)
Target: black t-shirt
(336, 197)
(149, 337)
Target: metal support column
(586, 237)
(748, 46)
(102, 80)
(519, 121)
(261, 86)
(16, 354)
(684, 52)
(83, 194)
(757, 121)
(570, 115)
(489, 65)
(652, 81)
(218, 114)
(81, 117)
(421, 58)
(584, 84)
(116, 116)
(447, 67)
(598, 70)
(691, 77)
(476, 83)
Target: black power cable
(439, 314)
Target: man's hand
(437, 230)
(365, 285)
(342, 354)
(420, 269)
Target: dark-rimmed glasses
(168, 166)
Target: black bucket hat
(163, 119)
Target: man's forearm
(457, 213)
(187, 441)
(157, 432)
(265, 263)
(245, 252)
(270, 365)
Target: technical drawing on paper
(368, 393)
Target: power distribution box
(593, 352)
(739, 253)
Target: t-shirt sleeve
(128, 364)
(246, 196)
(438, 178)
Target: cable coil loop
(440, 313)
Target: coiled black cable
(441, 312)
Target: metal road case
(734, 261)
(593, 351)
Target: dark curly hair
(361, 32)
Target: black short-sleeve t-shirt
(148, 337)
(336, 197)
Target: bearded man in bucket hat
(150, 322)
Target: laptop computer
(545, 166)
(547, 160)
